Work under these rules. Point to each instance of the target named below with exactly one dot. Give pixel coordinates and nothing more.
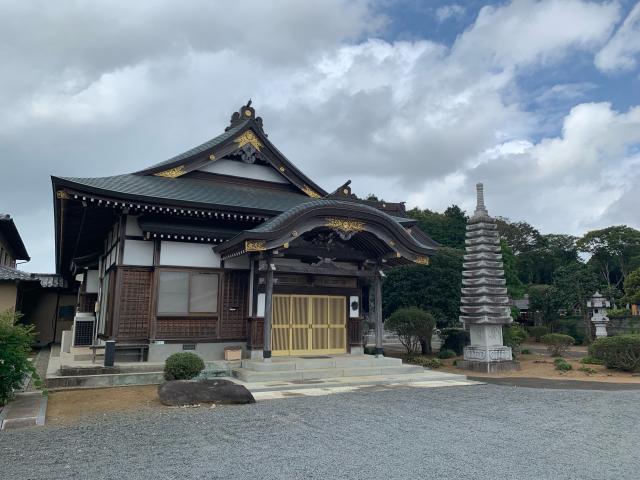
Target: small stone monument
(484, 302)
(599, 306)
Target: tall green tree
(537, 265)
(520, 236)
(575, 284)
(446, 228)
(515, 287)
(632, 287)
(612, 250)
(434, 288)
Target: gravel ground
(445, 433)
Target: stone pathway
(29, 406)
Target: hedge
(183, 366)
(620, 352)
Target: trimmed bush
(183, 366)
(537, 332)
(620, 352)
(425, 361)
(513, 336)
(557, 343)
(525, 351)
(15, 346)
(455, 339)
(446, 353)
(562, 365)
(589, 360)
(412, 325)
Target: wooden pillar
(377, 292)
(268, 302)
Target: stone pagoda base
(489, 367)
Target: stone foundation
(489, 367)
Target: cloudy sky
(412, 100)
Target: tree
(446, 228)
(520, 236)
(575, 284)
(546, 301)
(632, 287)
(434, 288)
(552, 252)
(612, 250)
(414, 327)
(515, 288)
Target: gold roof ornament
(248, 137)
(172, 172)
(255, 245)
(62, 195)
(310, 192)
(345, 225)
(422, 260)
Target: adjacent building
(227, 244)
(46, 301)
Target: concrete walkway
(25, 410)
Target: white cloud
(622, 50)
(527, 31)
(446, 12)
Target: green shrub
(557, 343)
(455, 339)
(574, 327)
(621, 352)
(183, 366)
(15, 346)
(446, 353)
(412, 325)
(369, 350)
(618, 313)
(513, 336)
(425, 361)
(589, 360)
(562, 365)
(525, 351)
(537, 332)
(588, 370)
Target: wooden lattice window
(134, 307)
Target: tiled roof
(192, 191)
(200, 148)
(51, 280)
(12, 236)
(47, 280)
(12, 274)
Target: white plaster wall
(92, 281)
(244, 170)
(188, 255)
(132, 227)
(138, 252)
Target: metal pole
(268, 301)
(377, 285)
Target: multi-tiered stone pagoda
(484, 303)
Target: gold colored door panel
(309, 324)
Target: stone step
(104, 380)
(318, 373)
(280, 364)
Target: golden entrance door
(308, 324)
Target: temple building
(227, 244)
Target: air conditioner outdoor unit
(83, 324)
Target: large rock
(184, 392)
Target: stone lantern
(598, 304)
